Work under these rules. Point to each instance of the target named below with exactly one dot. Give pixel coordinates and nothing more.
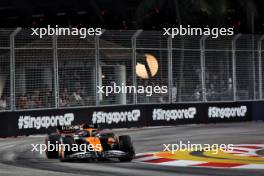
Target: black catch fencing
(45, 121)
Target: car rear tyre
(64, 155)
(126, 145)
(52, 139)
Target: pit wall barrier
(20, 123)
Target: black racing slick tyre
(66, 151)
(52, 139)
(126, 145)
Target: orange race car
(88, 142)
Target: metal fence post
(260, 66)
(170, 76)
(12, 69)
(134, 62)
(202, 60)
(56, 70)
(234, 66)
(96, 40)
(97, 65)
(253, 66)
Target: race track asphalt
(17, 159)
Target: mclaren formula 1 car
(88, 142)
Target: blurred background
(64, 71)
(246, 16)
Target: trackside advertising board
(45, 121)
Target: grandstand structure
(64, 71)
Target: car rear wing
(68, 129)
(74, 128)
(90, 126)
